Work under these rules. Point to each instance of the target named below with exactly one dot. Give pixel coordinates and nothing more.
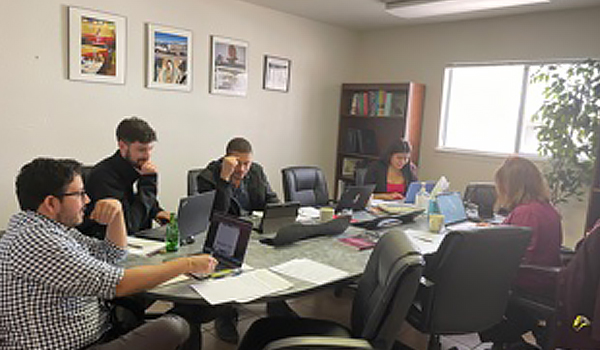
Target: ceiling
(370, 14)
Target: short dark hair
(398, 146)
(135, 129)
(44, 177)
(239, 145)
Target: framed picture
(276, 75)
(169, 63)
(348, 166)
(97, 46)
(229, 66)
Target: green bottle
(172, 236)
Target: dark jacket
(377, 174)
(255, 182)
(114, 177)
(579, 294)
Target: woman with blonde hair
(523, 191)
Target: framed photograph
(348, 166)
(97, 46)
(276, 75)
(169, 63)
(229, 66)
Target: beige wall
(420, 53)
(43, 113)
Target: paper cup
(436, 221)
(326, 214)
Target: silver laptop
(193, 216)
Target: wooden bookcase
(372, 116)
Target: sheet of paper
(426, 241)
(143, 247)
(242, 288)
(175, 280)
(309, 270)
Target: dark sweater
(255, 182)
(114, 177)
(377, 174)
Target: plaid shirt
(53, 283)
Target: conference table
(327, 250)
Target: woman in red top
(393, 172)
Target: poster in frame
(97, 46)
(229, 66)
(276, 75)
(169, 61)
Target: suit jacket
(255, 182)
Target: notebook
(193, 216)
(414, 188)
(278, 215)
(227, 240)
(355, 198)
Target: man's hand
(148, 168)
(107, 211)
(228, 167)
(163, 217)
(202, 263)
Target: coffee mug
(436, 221)
(326, 214)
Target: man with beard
(129, 176)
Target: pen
(223, 273)
(136, 246)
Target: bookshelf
(371, 117)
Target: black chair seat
(269, 329)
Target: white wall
(43, 113)
(420, 53)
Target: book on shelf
(354, 105)
(387, 109)
(360, 141)
(381, 103)
(373, 103)
(365, 101)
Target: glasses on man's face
(81, 194)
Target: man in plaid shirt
(54, 281)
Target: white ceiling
(370, 14)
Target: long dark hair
(398, 146)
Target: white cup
(436, 221)
(326, 214)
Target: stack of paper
(311, 271)
(143, 247)
(241, 288)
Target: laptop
(278, 215)
(227, 240)
(192, 218)
(355, 198)
(414, 188)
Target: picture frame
(169, 58)
(276, 73)
(229, 66)
(97, 46)
(349, 166)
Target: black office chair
(85, 172)
(306, 185)
(192, 181)
(467, 281)
(482, 194)
(384, 294)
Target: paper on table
(426, 241)
(242, 288)
(143, 247)
(309, 270)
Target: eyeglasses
(81, 194)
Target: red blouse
(400, 188)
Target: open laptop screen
(451, 206)
(227, 239)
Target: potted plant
(568, 124)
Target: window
(489, 108)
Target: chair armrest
(546, 270)
(319, 342)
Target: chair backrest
(85, 172)
(472, 272)
(192, 181)
(386, 290)
(305, 184)
(484, 195)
